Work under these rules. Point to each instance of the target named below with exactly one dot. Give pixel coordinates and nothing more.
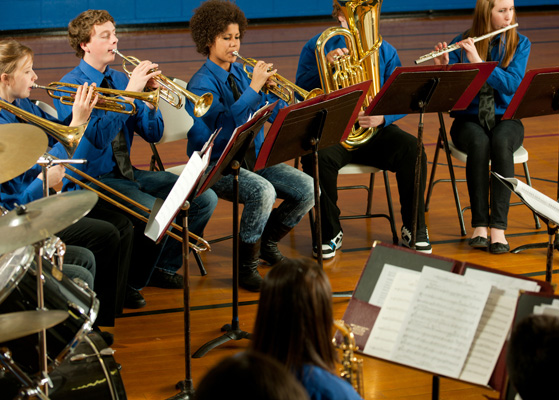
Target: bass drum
(88, 374)
(60, 293)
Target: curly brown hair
(212, 18)
(81, 28)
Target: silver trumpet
(435, 54)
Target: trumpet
(107, 97)
(455, 46)
(172, 91)
(201, 245)
(68, 136)
(284, 89)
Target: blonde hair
(11, 52)
(481, 25)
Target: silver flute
(455, 46)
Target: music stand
(435, 88)
(308, 126)
(164, 212)
(537, 95)
(230, 163)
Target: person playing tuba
(389, 149)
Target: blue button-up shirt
(105, 125)
(26, 187)
(504, 81)
(308, 75)
(225, 112)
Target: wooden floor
(150, 344)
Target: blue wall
(39, 14)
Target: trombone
(107, 97)
(172, 91)
(68, 136)
(201, 245)
(284, 89)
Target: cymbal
(21, 145)
(22, 323)
(43, 218)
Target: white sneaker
(421, 241)
(329, 249)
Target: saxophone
(362, 63)
(351, 366)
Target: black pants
(108, 235)
(390, 149)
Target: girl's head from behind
(16, 68)
(294, 319)
(213, 18)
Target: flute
(455, 46)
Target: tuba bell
(362, 63)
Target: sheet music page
(383, 336)
(179, 193)
(490, 337)
(538, 201)
(441, 322)
(509, 283)
(384, 283)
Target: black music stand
(308, 126)
(435, 88)
(164, 212)
(230, 163)
(537, 95)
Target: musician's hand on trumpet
(84, 101)
(142, 77)
(261, 74)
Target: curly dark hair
(212, 18)
(81, 28)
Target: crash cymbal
(22, 323)
(21, 145)
(43, 218)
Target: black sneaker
(162, 279)
(134, 299)
(421, 241)
(329, 249)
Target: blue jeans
(79, 262)
(258, 191)
(147, 186)
(497, 145)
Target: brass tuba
(351, 366)
(362, 63)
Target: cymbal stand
(30, 388)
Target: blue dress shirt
(307, 71)
(27, 187)
(105, 125)
(225, 112)
(504, 81)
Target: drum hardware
(30, 388)
(20, 146)
(82, 356)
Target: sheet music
(490, 336)
(509, 283)
(178, 194)
(441, 322)
(541, 203)
(384, 283)
(397, 301)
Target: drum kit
(47, 347)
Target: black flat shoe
(479, 242)
(134, 299)
(499, 248)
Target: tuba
(362, 63)
(351, 366)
